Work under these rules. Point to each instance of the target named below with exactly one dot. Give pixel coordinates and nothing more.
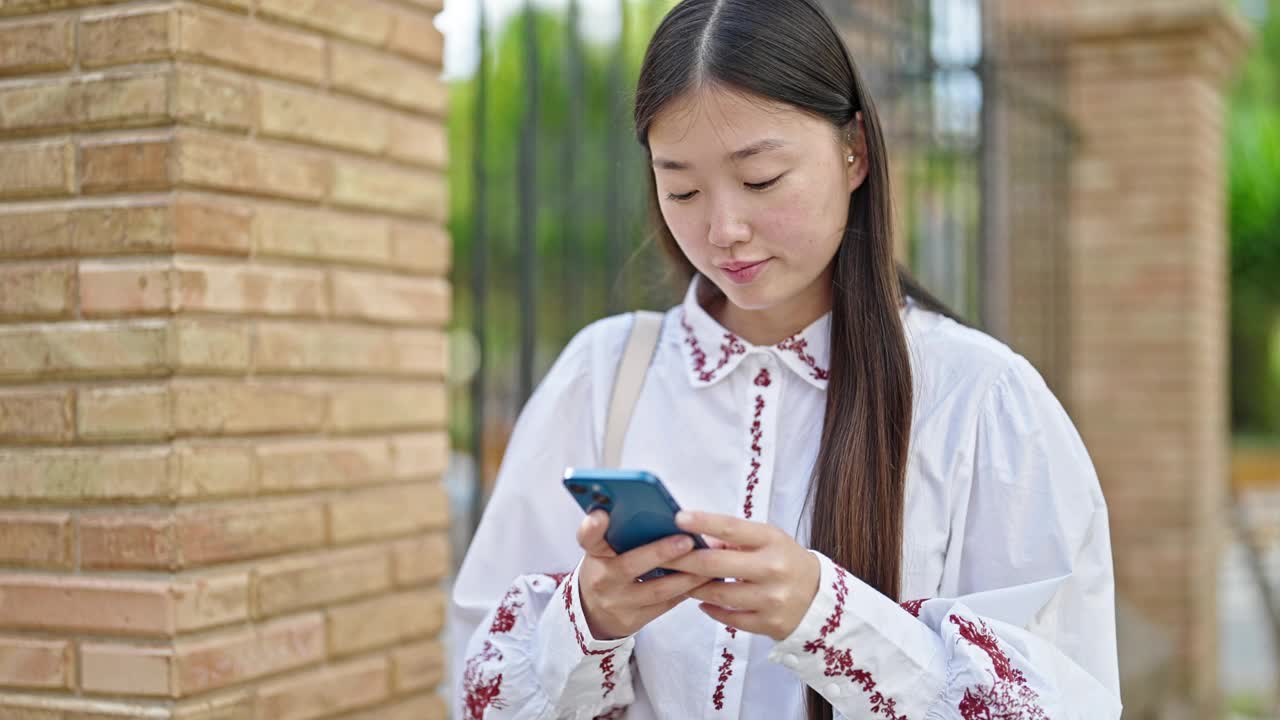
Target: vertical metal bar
(921, 18)
(479, 273)
(994, 271)
(919, 89)
(961, 240)
(571, 273)
(1042, 178)
(613, 204)
(1061, 332)
(527, 192)
(630, 163)
(972, 201)
(906, 142)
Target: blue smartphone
(640, 508)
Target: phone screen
(641, 509)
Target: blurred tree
(1254, 157)
(573, 226)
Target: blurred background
(276, 277)
(1048, 158)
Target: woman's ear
(856, 148)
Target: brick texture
(120, 669)
(240, 655)
(296, 583)
(36, 45)
(223, 303)
(110, 37)
(34, 169)
(1142, 359)
(319, 693)
(417, 666)
(141, 164)
(25, 662)
(117, 99)
(33, 416)
(36, 539)
(384, 621)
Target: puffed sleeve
(1029, 631)
(520, 647)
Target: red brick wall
(1149, 332)
(222, 302)
(1145, 376)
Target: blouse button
(790, 661)
(831, 690)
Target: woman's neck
(772, 325)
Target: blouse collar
(711, 352)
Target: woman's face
(756, 194)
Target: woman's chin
(751, 297)
(763, 292)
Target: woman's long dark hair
(788, 51)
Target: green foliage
(1255, 197)
(1254, 156)
(573, 225)
(1254, 207)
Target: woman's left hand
(776, 577)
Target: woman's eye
(764, 185)
(682, 198)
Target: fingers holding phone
(615, 605)
(591, 534)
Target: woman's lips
(742, 273)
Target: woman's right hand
(615, 605)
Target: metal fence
(549, 222)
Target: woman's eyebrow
(754, 148)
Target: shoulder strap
(626, 388)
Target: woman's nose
(727, 230)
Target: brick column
(222, 302)
(1149, 321)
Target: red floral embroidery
(979, 634)
(757, 432)
(733, 631)
(797, 345)
(606, 663)
(763, 379)
(755, 426)
(483, 692)
(606, 669)
(840, 661)
(913, 606)
(732, 346)
(505, 617)
(726, 671)
(1001, 701)
(752, 480)
(1008, 696)
(479, 691)
(556, 578)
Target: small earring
(851, 159)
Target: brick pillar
(222, 302)
(1149, 322)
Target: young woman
(913, 524)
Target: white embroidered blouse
(1007, 608)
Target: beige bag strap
(626, 388)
